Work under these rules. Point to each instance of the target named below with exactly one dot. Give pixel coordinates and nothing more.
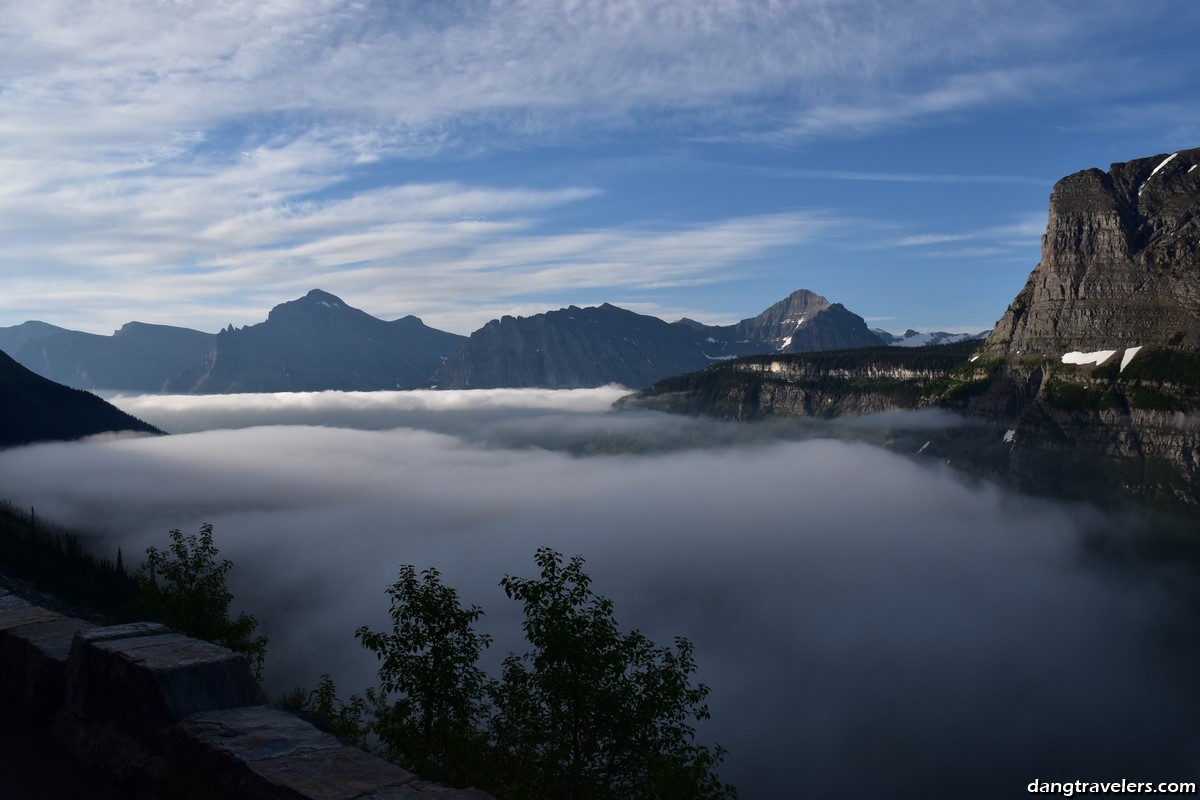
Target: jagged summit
(914, 338)
(779, 323)
(604, 344)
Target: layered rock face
(1089, 386)
(1119, 286)
(820, 384)
(1120, 263)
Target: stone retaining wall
(167, 716)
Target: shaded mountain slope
(34, 409)
(573, 347)
(138, 357)
(15, 337)
(599, 345)
(317, 343)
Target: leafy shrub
(432, 697)
(591, 712)
(588, 712)
(184, 588)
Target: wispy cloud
(208, 149)
(910, 177)
(1014, 237)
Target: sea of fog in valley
(869, 625)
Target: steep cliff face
(1089, 386)
(1091, 379)
(1120, 263)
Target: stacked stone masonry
(166, 716)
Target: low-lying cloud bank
(869, 626)
(189, 413)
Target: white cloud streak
(154, 151)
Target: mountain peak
(315, 302)
(323, 298)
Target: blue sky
(195, 163)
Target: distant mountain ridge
(912, 338)
(138, 357)
(579, 347)
(318, 342)
(315, 343)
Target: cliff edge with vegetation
(1089, 386)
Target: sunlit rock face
(1120, 263)
(1088, 387)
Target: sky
(869, 625)
(197, 163)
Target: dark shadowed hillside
(34, 409)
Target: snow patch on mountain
(912, 338)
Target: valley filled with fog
(869, 625)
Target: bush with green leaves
(588, 712)
(591, 711)
(183, 587)
(432, 697)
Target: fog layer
(869, 626)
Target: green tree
(431, 705)
(591, 712)
(184, 588)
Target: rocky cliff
(1091, 379)
(1089, 386)
(825, 384)
(1120, 263)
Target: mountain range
(1088, 386)
(911, 338)
(318, 342)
